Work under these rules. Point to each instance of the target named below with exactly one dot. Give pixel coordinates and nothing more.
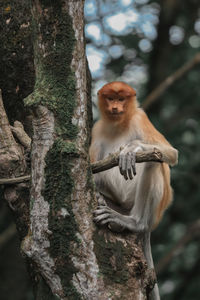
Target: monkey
(130, 198)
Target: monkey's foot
(104, 215)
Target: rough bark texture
(69, 256)
(12, 161)
(16, 57)
(60, 240)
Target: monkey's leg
(104, 215)
(117, 222)
(148, 255)
(149, 194)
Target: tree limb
(113, 160)
(20, 134)
(11, 154)
(158, 91)
(192, 232)
(15, 180)
(105, 164)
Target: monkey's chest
(111, 183)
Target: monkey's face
(115, 105)
(116, 100)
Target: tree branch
(11, 154)
(15, 180)
(108, 163)
(158, 91)
(20, 134)
(192, 232)
(113, 160)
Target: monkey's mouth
(116, 113)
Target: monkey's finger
(133, 160)
(100, 210)
(120, 164)
(100, 218)
(106, 221)
(123, 165)
(129, 166)
(130, 175)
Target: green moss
(90, 186)
(55, 85)
(58, 189)
(55, 88)
(66, 147)
(112, 259)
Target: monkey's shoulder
(97, 128)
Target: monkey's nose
(114, 110)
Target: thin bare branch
(113, 159)
(110, 162)
(158, 91)
(192, 232)
(14, 180)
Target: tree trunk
(69, 257)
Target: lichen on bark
(55, 85)
(54, 92)
(58, 188)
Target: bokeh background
(142, 42)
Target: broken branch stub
(12, 163)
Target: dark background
(157, 38)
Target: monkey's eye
(110, 98)
(121, 99)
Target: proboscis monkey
(130, 198)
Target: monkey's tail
(148, 255)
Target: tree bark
(12, 160)
(16, 57)
(69, 257)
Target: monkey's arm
(127, 156)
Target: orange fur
(125, 109)
(167, 195)
(130, 120)
(126, 203)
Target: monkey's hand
(127, 161)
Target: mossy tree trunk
(68, 255)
